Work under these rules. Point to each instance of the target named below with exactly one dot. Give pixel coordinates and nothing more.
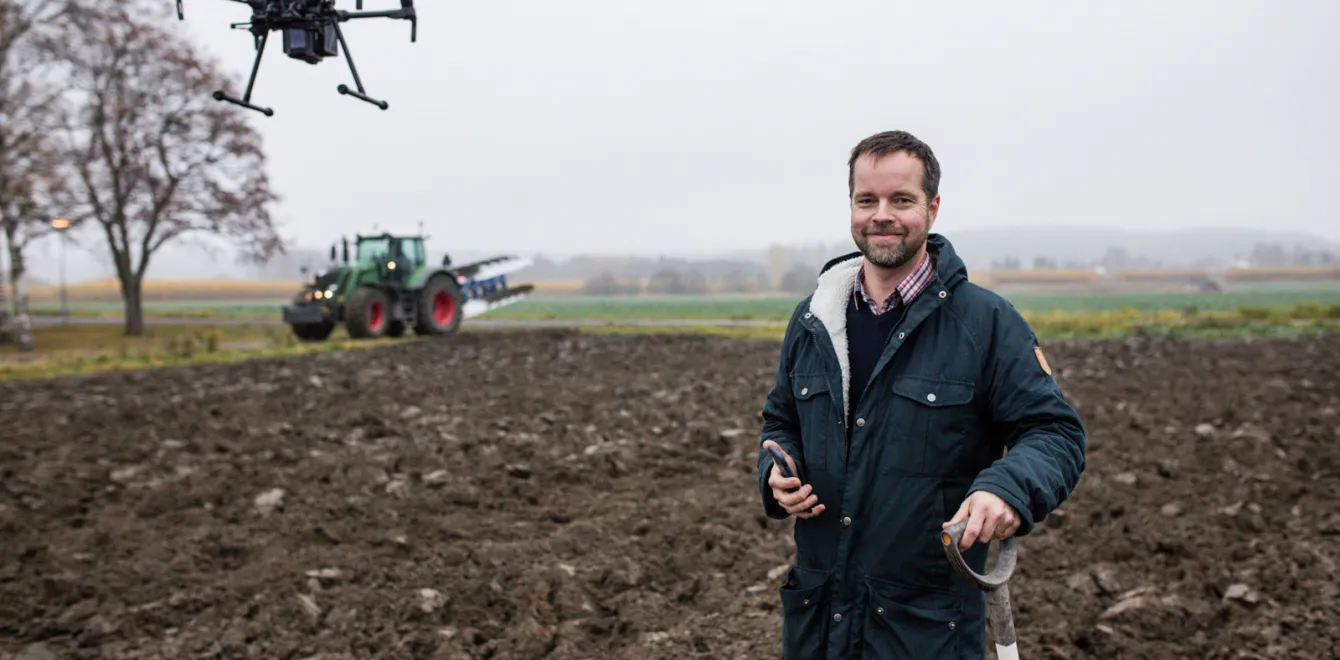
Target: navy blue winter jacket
(960, 380)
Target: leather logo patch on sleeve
(1042, 360)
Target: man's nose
(884, 212)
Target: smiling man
(899, 388)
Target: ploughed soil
(557, 495)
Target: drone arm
(181, 15)
(406, 12)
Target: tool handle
(1001, 619)
(997, 576)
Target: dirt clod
(557, 495)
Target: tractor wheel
(313, 331)
(367, 313)
(440, 307)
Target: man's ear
(932, 211)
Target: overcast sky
(610, 125)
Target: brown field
(1283, 274)
(1179, 276)
(207, 290)
(1037, 276)
(556, 495)
(171, 290)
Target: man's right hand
(796, 498)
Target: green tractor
(390, 287)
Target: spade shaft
(996, 584)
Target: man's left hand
(988, 516)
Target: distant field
(766, 308)
(1260, 295)
(254, 308)
(213, 291)
(780, 307)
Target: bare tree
(157, 158)
(33, 183)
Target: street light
(60, 225)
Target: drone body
(311, 33)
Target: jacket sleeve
(781, 424)
(1042, 432)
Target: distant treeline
(690, 281)
(801, 280)
(793, 269)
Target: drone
(311, 30)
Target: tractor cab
(394, 257)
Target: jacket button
(837, 618)
(804, 391)
(902, 335)
(952, 625)
(879, 611)
(846, 521)
(943, 294)
(860, 421)
(930, 397)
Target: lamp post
(60, 225)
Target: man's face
(890, 215)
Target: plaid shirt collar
(904, 294)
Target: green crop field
(780, 307)
(1271, 296)
(244, 308)
(229, 329)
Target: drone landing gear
(344, 89)
(245, 101)
(311, 33)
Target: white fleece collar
(832, 294)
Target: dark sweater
(867, 334)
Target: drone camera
(311, 44)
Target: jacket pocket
(904, 623)
(817, 412)
(936, 416)
(804, 614)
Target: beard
(893, 256)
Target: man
(900, 386)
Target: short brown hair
(891, 142)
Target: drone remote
(779, 459)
